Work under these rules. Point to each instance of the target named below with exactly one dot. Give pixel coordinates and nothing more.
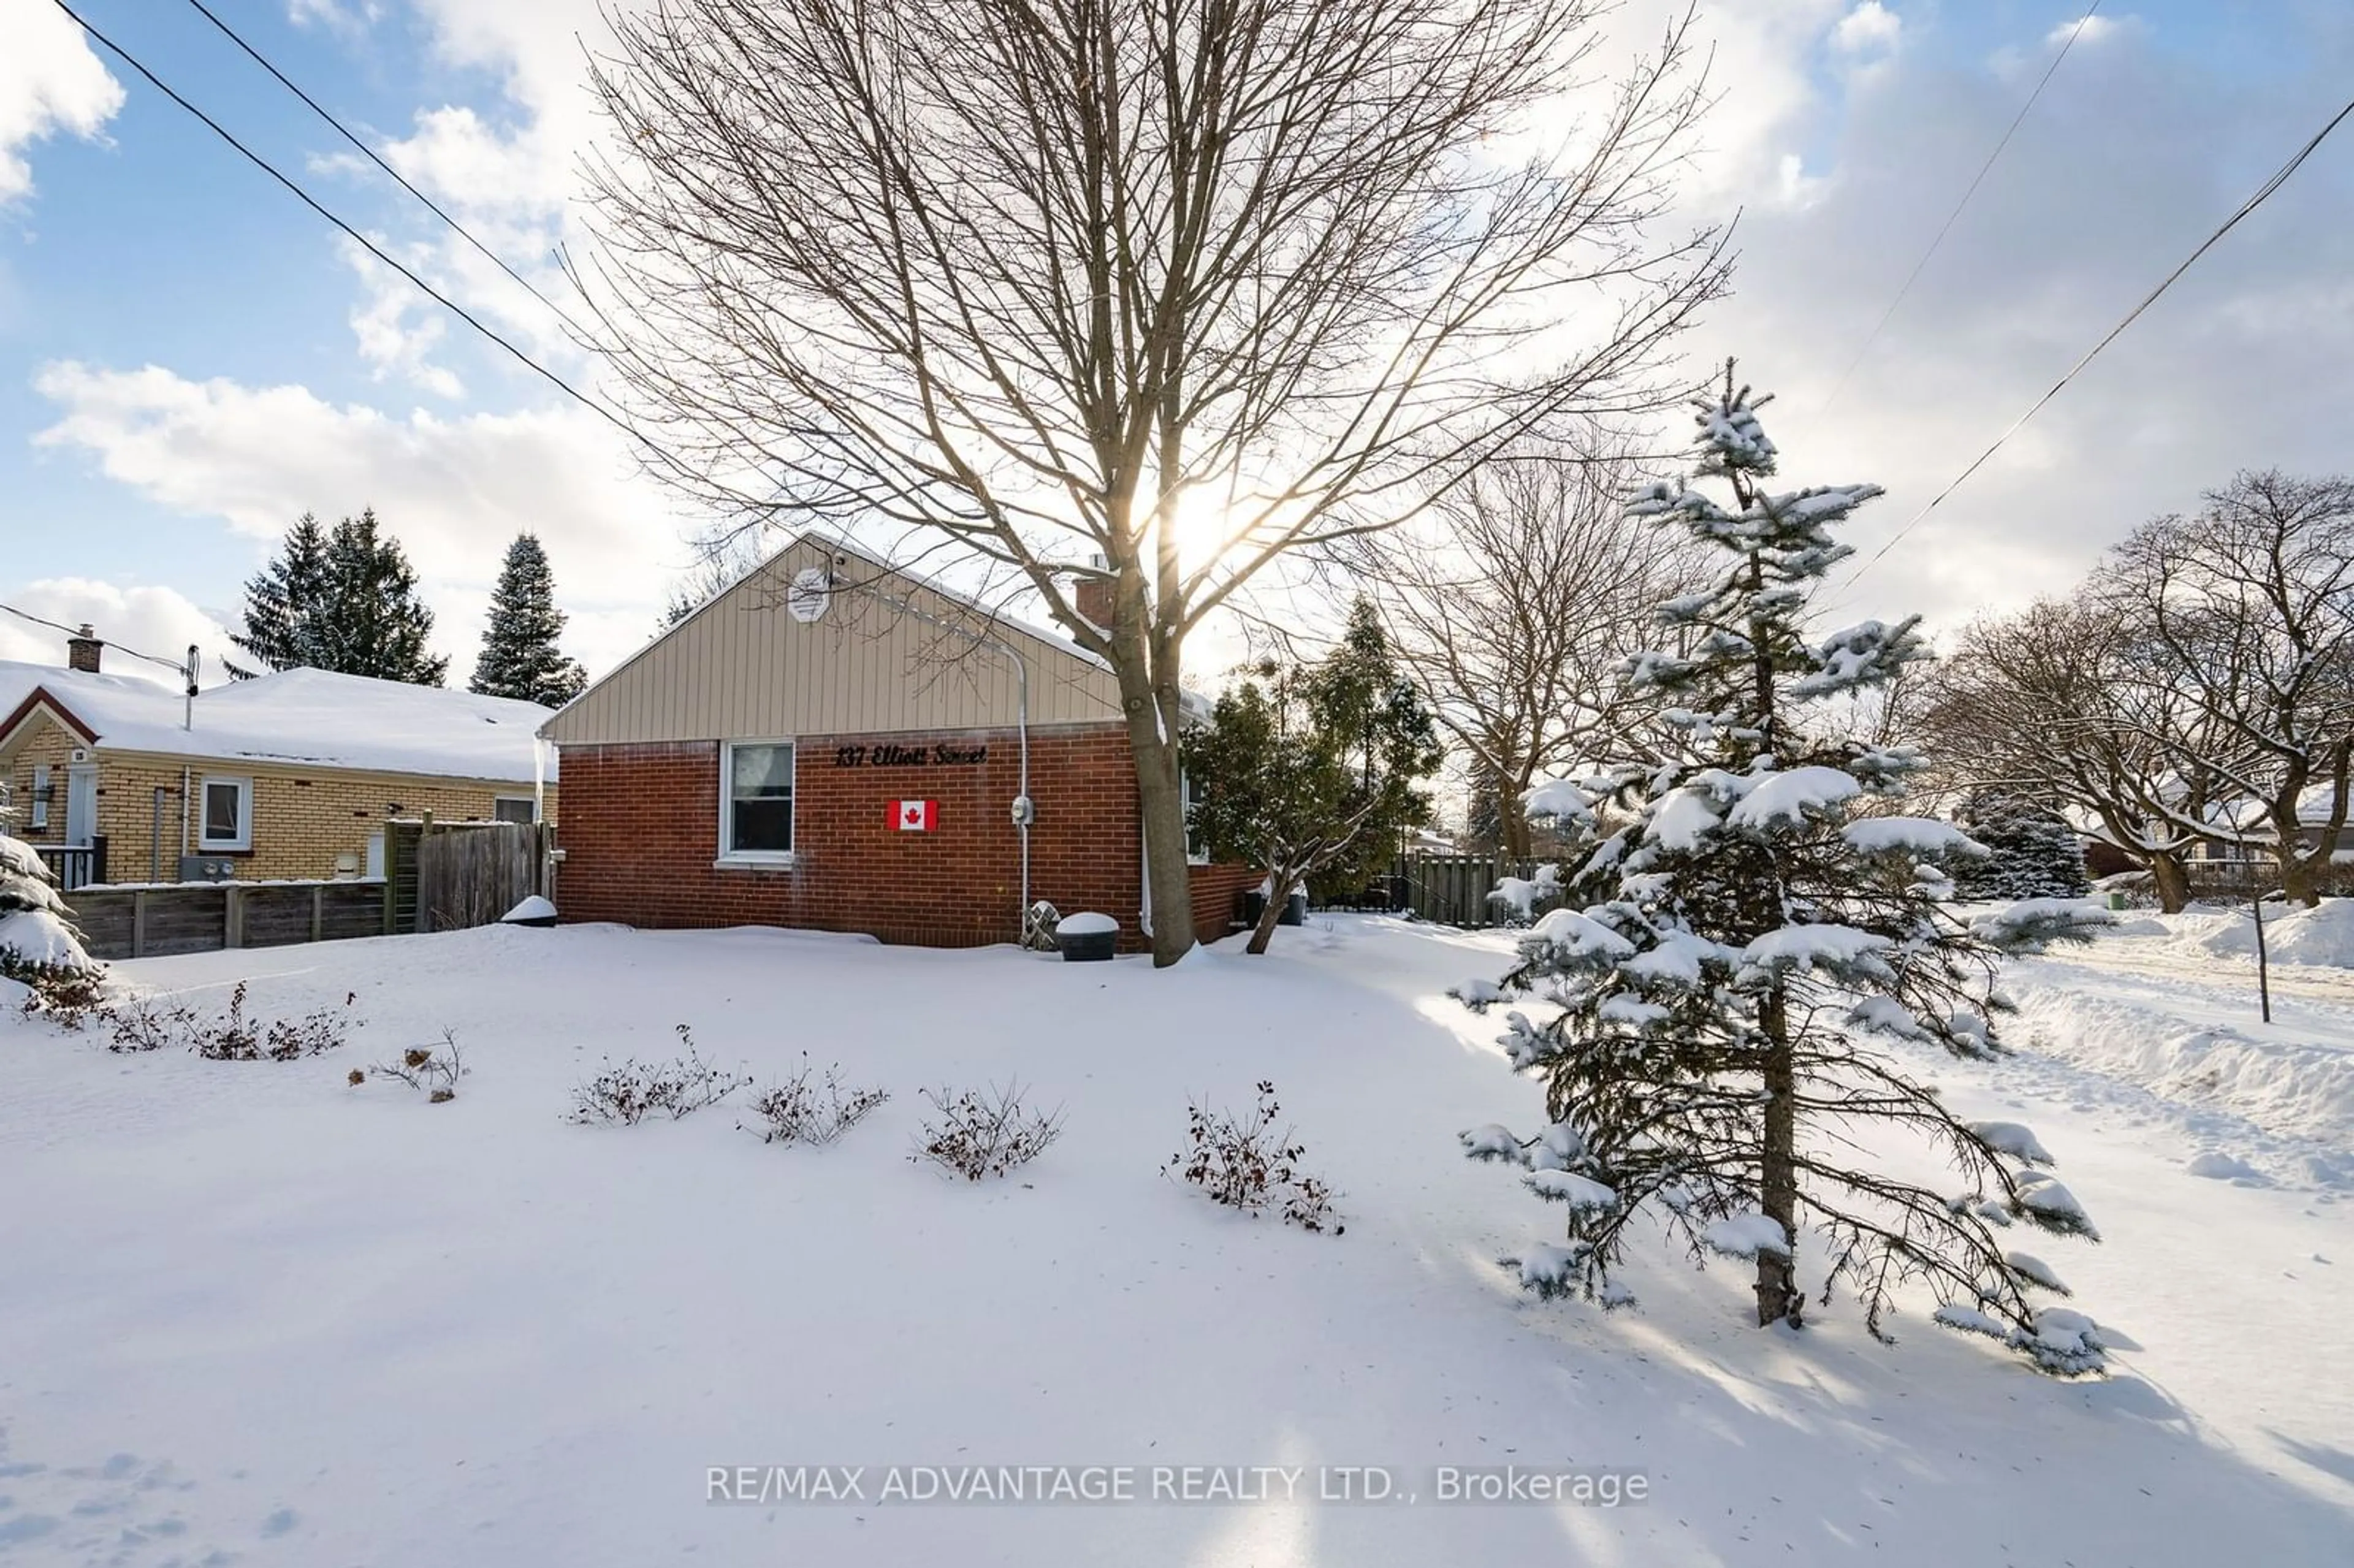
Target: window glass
(513, 808)
(1197, 848)
(224, 819)
(760, 799)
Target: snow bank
(2323, 935)
(2283, 1085)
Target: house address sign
(945, 754)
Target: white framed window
(756, 802)
(42, 789)
(224, 813)
(514, 809)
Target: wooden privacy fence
(1453, 889)
(447, 876)
(202, 917)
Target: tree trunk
(1272, 915)
(1161, 803)
(1512, 820)
(1778, 1290)
(2299, 878)
(2172, 881)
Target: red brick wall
(641, 831)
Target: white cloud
(398, 327)
(2112, 180)
(357, 16)
(478, 168)
(510, 183)
(158, 621)
(454, 490)
(1869, 28)
(2087, 30)
(1766, 96)
(49, 81)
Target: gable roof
(893, 651)
(307, 718)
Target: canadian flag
(915, 816)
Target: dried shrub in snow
(634, 1090)
(800, 1111)
(980, 1133)
(141, 1026)
(1244, 1163)
(432, 1070)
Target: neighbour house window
(42, 790)
(514, 809)
(1197, 848)
(756, 804)
(228, 814)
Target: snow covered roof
(310, 718)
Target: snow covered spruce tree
(39, 945)
(520, 657)
(2033, 852)
(1746, 952)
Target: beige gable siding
(743, 666)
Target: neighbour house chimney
(82, 651)
(1092, 597)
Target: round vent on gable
(812, 591)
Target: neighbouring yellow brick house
(291, 775)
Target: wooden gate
(446, 876)
(1453, 889)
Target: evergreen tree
(375, 623)
(39, 939)
(343, 600)
(519, 657)
(1385, 735)
(285, 601)
(1304, 770)
(1748, 962)
(2032, 851)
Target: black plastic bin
(1096, 940)
(1295, 910)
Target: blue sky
(188, 357)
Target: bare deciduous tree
(1516, 605)
(2247, 612)
(1144, 293)
(2049, 704)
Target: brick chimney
(82, 651)
(1092, 597)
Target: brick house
(287, 776)
(837, 745)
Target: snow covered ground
(249, 1314)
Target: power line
(179, 666)
(1946, 228)
(258, 160)
(2263, 192)
(370, 155)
